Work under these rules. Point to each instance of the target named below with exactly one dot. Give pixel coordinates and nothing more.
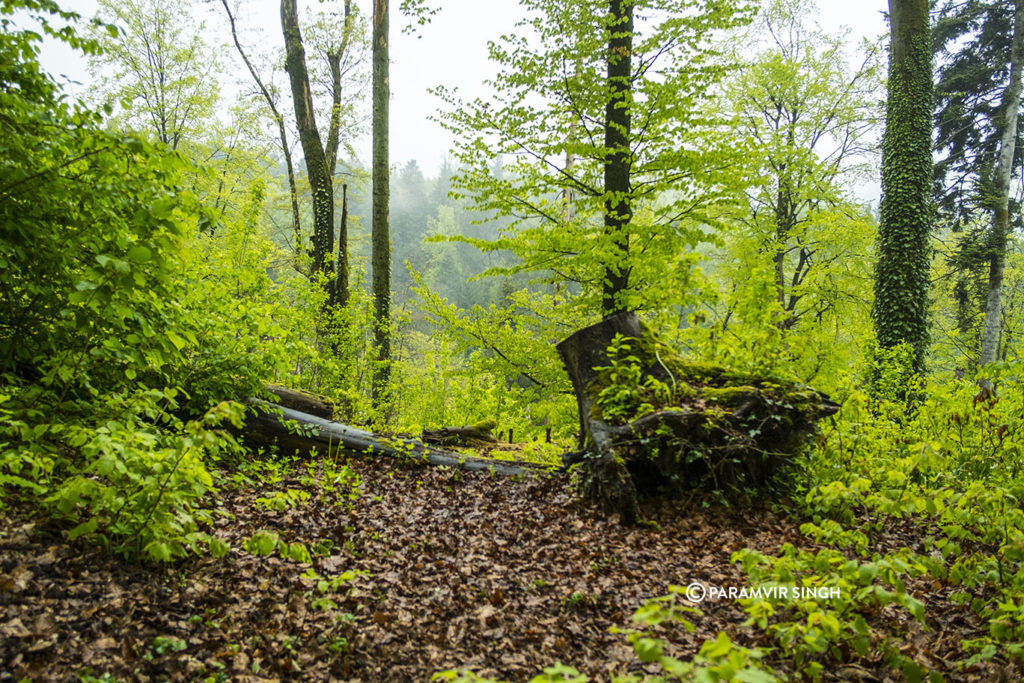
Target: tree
(320, 154)
(810, 116)
(620, 88)
(340, 76)
(270, 97)
(161, 67)
(618, 210)
(316, 158)
(901, 274)
(1010, 106)
(155, 72)
(121, 344)
(532, 160)
(381, 248)
(981, 46)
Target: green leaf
(262, 543)
(87, 527)
(219, 548)
(160, 551)
(139, 254)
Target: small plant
(262, 543)
(628, 392)
(162, 645)
(283, 500)
(577, 601)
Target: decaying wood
(706, 426)
(292, 430)
(303, 401)
(606, 480)
(469, 435)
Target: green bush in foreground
(121, 330)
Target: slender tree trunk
(293, 192)
(381, 256)
(320, 181)
(282, 132)
(617, 209)
(339, 292)
(568, 197)
(784, 220)
(1010, 105)
(334, 62)
(341, 279)
(901, 274)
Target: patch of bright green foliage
(130, 317)
(941, 461)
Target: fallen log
(292, 430)
(652, 421)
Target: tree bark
(334, 63)
(1001, 210)
(341, 275)
(381, 248)
(320, 181)
(617, 209)
(607, 481)
(302, 401)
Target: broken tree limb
(293, 430)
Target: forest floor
(455, 571)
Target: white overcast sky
(452, 50)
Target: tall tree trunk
(617, 209)
(339, 292)
(282, 132)
(334, 62)
(341, 275)
(317, 170)
(784, 221)
(1009, 107)
(381, 257)
(901, 274)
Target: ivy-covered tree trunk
(317, 169)
(901, 274)
(617, 209)
(381, 256)
(1001, 208)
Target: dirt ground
(451, 570)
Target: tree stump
(652, 421)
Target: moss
(484, 426)
(727, 396)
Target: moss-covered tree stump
(652, 421)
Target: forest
(697, 358)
